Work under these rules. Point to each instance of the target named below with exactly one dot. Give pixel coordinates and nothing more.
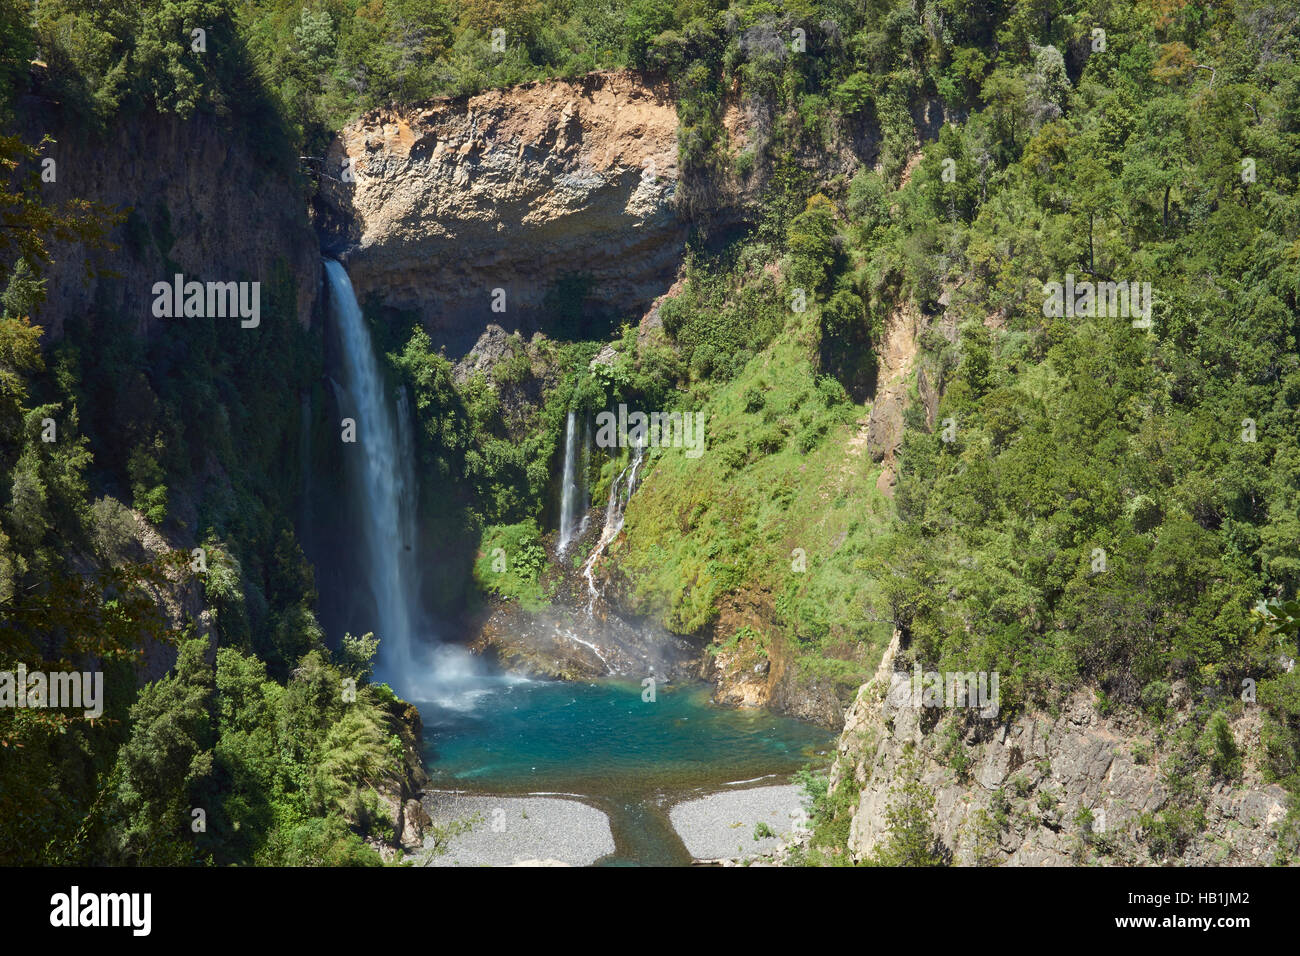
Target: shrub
(1219, 743)
(113, 528)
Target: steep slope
(197, 201)
(1055, 789)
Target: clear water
(601, 741)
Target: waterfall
(573, 483)
(619, 494)
(383, 491)
(569, 493)
(586, 470)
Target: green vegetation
(227, 766)
(193, 430)
(1114, 501)
(510, 564)
(463, 443)
(829, 820)
(774, 510)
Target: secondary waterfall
(614, 511)
(573, 485)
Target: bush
(510, 564)
(147, 484)
(1221, 747)
(813, 244)
(113, 528)
(910, 839)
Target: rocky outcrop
(182, 601)
(559, 194)
(1046, 789)
(521, 372)
(747, 675)
(898, 354)
(197, 201)
(567, 641)
(400, 794)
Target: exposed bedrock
(1061, 788)
(559, 194)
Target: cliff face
(199, 203)
(558, 193)
(196, 200)
(1055, 789)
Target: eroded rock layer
(558, 194)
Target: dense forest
(1097, 500)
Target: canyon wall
(198, 201)
(1064, 788)
(198, 197)
(559, 193)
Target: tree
(813, 243)
(910, 839)
(1004, 91)
(1092, 189)
(1047, 86)
(1156, 158)
(28, 223)
(164, 764)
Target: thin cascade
(584, 497)
(568, 485)
(614, 512)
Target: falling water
(383, 463)
(570, 492)
(614, 511)
(384, 492)
(586, 470)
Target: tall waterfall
(572, 485)
(383, 487)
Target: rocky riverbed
(728, 827)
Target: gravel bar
(721, 825)
(518, 831)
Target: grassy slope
(711, 541)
